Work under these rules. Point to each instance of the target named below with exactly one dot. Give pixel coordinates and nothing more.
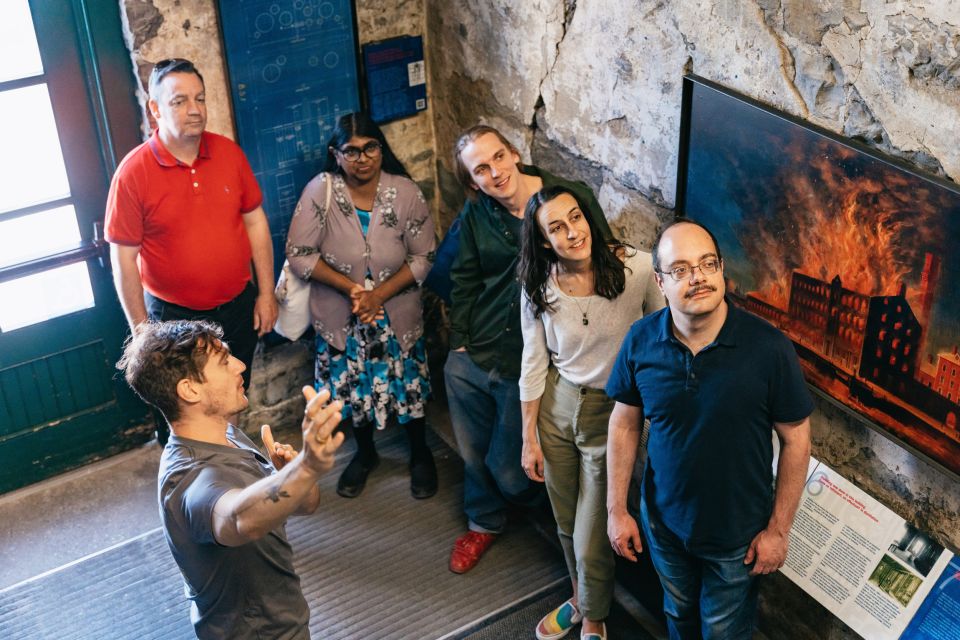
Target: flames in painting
(870, 228)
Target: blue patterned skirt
(373, 377)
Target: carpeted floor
(374, 568)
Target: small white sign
(416, 73)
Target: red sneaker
(467, 550)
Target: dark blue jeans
(485, 412)
(705, 595)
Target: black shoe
(354, 477)
(423, 476)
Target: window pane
(38, 234)
(31, 163)
(17, 35)
(46, 295)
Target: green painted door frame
(62, 403)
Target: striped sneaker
(558, 622)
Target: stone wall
(599, 82)
(592, 89)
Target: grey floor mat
(373, 568)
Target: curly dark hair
(359, 124)
(161, 354)
(537, 259)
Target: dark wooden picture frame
(844, 249)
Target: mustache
(698, 289)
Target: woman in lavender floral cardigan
(363, 235)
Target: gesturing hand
(319, 420)
(280, 454)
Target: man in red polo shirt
(184, 222)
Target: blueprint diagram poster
(293, 72)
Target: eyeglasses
(681, 272)
(371, 150)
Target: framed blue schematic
(292, 67)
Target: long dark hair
(359, 124)
(537, 257)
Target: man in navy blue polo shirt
(713, 380)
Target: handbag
(293, 295)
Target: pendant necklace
(583, 313)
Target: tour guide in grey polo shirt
(223, 504)
(714, 381)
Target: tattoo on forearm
(275, 493)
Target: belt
(218, 308)
(583, 391)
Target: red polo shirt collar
(165, 158)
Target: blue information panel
(293, 73)
(396, 77)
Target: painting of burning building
(848, 252)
